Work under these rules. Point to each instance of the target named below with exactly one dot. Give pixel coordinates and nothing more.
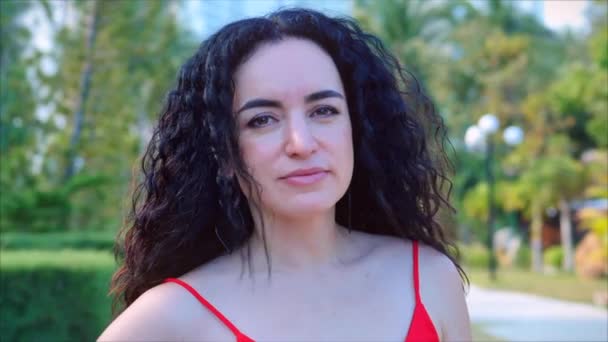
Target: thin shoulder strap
(416, 276)
(205, 303)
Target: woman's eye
(260, 121)
(325, 111)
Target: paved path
(514, 316)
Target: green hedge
(57, 241)
(553, 256)
(54, 295)
(523, 259)
(477, 256)
(474, 255)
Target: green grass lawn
(560, 286)
(481, 336)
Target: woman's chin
(305, 207)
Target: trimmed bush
(57, 241)
(54, 295)
(553, 256)
(523, 259)
(475, 255)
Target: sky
(557, 14)
(208, 16)
(560, 14)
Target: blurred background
(521, 85)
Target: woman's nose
(301, 142)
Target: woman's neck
(302, 243)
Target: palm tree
(415, 30)
(552, 182)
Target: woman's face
(294, 127)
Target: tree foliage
(491, 57)
(474, 58)
(85, 147)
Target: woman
(291, 193)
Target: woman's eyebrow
(316, 96)
(259, 103)
(322, 95)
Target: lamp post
(479, 137)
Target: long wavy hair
(186, 211)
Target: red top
(421, 327)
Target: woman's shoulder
(437, 272)
(165, 312)
(439, 264)
(400, 250)
(443, 293)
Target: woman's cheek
(257, 154)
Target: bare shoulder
(440, 280)
(160, 314)
(443, 293)
(438, 266)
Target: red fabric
(240, 337)
(421, 327)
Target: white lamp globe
(513, 135)
(474, 138)
(488, 124)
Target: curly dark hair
(186, 212)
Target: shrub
(475, 255)
(54, 295)
(56, 241)
(553, 256)
(74, 204)
(34, 210)
(523, 258)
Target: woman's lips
(305, 179)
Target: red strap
(421, 326)
(416, 278)
(208, 305)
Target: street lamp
(479, 138)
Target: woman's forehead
(290, 68)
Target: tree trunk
(565, 227)
(85, 87)
(536, 243)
